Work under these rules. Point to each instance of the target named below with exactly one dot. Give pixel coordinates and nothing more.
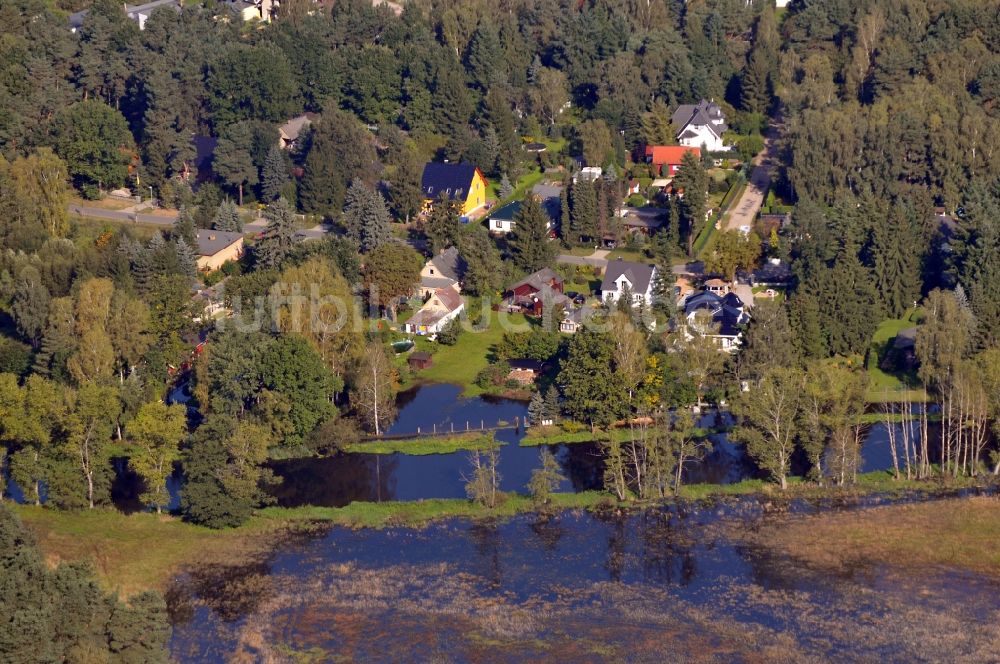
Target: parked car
(579, 299)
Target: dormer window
(430, 190)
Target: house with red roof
(666, 159)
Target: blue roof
(453, 180)
(507, 212)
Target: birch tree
(767, 425)
(156, 433)
(374, 394)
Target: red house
(666, 159)
(537, 289)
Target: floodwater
(680, 583)
(339, 480)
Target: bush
(449, 335)
(15, 357)
(636, 200)
(492, 375)
(571, 426)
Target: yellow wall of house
(477, 194)
(475, 200)
(215, 261)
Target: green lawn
(473, 440)
(882, 385)
(521, 187)
(459, 364)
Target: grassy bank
(131, 553)
(556, 436)
(473, 440)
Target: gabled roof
(538, 280)
(211, 242)
(659, 155)
(702, 114)
(638, 274)
(452, 180)
(507, 212)
(290, 130)
(449, 264)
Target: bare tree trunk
(889, 410)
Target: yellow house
(459, 182)
(216, 247)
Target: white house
(700, 125)
(442, 271)
(443, 306)
(720, 318)
(636, 278)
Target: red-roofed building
(666, 159)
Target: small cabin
(420, 360)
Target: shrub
(636, 200)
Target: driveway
(597, 259)
(160, 219)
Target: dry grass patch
(954, 533)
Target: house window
(431, 270)
(499, 225)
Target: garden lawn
(461, 363)
(882, 385)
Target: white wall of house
(704, 138)
(622, 283)
(501, 226)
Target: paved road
(120, 215)
(745, 211)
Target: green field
(472, 440)
(459, 364)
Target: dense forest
(882, 114)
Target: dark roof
(702, 300)
(732, 300)
(419, 356)
(701, 114)
(525, 364)
(638, 274)
(453, 180)
(538, 280)
(449, 264)
(211, 242)
(507, 212)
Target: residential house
(666, 159)
(138, 13)
(444, 305)
(644, 220)
(216, 247)
(537, 291)
(700, 125)
(444, 270)
(290, 132)
(462, 182)
(589, 173)
(636, 278)
(720, 318)
(573, 320)
(502, 220)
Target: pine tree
(227, 218)
(443, 224)
(186, 258)
(506, 188)
(273, 175)
(551, 410)
(530, 240)
(184, 227)
(564, 218)
(583, 212)
(366, 217)
(59, 340)
(536, 409)
(279, 235)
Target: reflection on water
(338, 480)
(483, 591)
